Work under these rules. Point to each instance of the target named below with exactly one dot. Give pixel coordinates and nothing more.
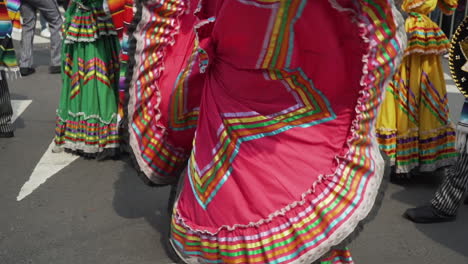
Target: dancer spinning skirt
(264, 111)
(87, 114)
(413, 127)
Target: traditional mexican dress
(413, 127)
(87, 114)
(264, 111)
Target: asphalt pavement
(100, 212)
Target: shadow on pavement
(133, 199)
(419, 191)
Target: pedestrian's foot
(45, 33)
(27, 71)
(427, 215)
(55, 69)
(466, 200)
(6, 134)
(57, 149)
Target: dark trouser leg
(6, 112)
(50, 10)
(449, 196)
(28, 14)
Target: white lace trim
(418, 4)
(79, 146)
(71, 39)
(424, 168)
(438, 164)
(113, 118)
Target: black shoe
(427, 215)
(55, 69)
(6, 134)
(400, 178)
(27, 71)
(466, 200)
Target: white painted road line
(18, 108)
(48, 166)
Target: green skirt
(87, 114)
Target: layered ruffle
(448, 7)
(87, 23)
(426, 150)
(425, 36)
(86, 134)
(161, 112)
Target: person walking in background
(6, 112)
(413, 127)
(7, 64)
(87, 114)
(50, 10)
(448, 198)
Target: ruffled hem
(307, 258)
(170, 26)
(438, 164)
(86, 135)
(88, 24)
(426, 150)
(109, 152)
(425, 36)
(290, 225)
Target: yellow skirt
(413, 127)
